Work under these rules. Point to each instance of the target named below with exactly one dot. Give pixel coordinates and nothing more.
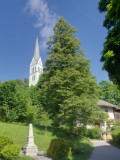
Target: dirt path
(104, 151)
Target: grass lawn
(19, 134)
(115, 144)
(86, 149)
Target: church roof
(36, 52)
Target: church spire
(36, 67)
(36, 52)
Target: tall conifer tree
(69, 88)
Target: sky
(21, 20)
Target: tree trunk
(72, 131)
(45, 130)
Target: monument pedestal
(30, 149)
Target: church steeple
(36, 67)
(36, 52)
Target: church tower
(36, 66)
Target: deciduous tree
(111, 51)
(109, 92)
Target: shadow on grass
(56, 131)
(114, 144)
(82, 147)
(82, 151)
(40, 129)
(61, 132)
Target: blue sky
(21, 20)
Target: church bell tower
(36, 66)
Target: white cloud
(45, 19)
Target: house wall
(110, 113)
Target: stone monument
(30, 149)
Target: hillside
(19, 134)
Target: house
(113, 112)
(117, 114)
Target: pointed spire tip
(36, 52)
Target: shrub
(116, 136)
(116, 126)
(10, 152)
(61, 131)
(82, 131)
(93, 133)
(83, 147)
(59, 148)
(24, 158)
(5, 140)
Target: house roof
(106, 104)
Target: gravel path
(43, 158)
(104, 151)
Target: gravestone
(30, 149)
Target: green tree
(43, 118)
(109, 92)
(21, 85)
(7, 98)
(111, 51)
(70, 91)
(26, 82)
(13, 101)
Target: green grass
(86, 148)
(20, 132)
(114, 144)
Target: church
(36, 66)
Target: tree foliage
(16, 101)
(70, 92)
(109, 92)
(111, 51)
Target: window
(33, 70)
(38, 69)
(106, 110)
(33, 78)
(117, 116)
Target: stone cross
(30, 149)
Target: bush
(5, 140)
(83, 147)
(10, 152)
(116, 126)
(59, 148)
(93, 133)
(116, 136)
(24, 158)
(82, 131)
(61, 131)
